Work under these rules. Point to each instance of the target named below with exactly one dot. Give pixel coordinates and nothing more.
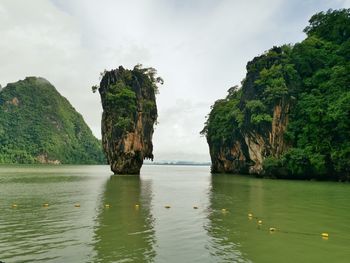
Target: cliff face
(129, 113)
(290, 118)
(271, 141)
(254, 129)
(38, 125)
(252, 143)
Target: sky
(199, 47)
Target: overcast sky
(199, 47)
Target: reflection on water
(57, 233)
(179, 232)
(224, 227)
(61, 232)
(124, 230)
(300, 211)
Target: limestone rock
(129, 114)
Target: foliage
(36, 120)
(313, 77)
(138, 72)
(224, 120)
(126, 92)
(333, 26)
(151, 73)
(274, 82)
(122, 98)
(257, 111)
(271, 166)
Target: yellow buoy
(14, 206)
(167, 206)
(272, 229)
(195, 207)
(250, 216)
(107, 206)
(77, 205)
(259, 222)
(137, 206)
(325, 235)
(46, 205)
(224, 210)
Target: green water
(61, 232)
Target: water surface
(123, 232)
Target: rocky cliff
(290, 118)
(253, 129)
(247, 152)
(129, 114)
(38, 125)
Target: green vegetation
(121, 99)
(38, 125)
(313, 78)
(224, 120)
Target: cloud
(41, 40)
(199, 47)
(177, 133)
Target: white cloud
(200, 48)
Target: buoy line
(261, 225)
(259, 222)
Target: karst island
(129, 114)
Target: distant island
(189, 163)
(291, 116)
(38, 125)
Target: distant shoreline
(78, 164)
(179, 164)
